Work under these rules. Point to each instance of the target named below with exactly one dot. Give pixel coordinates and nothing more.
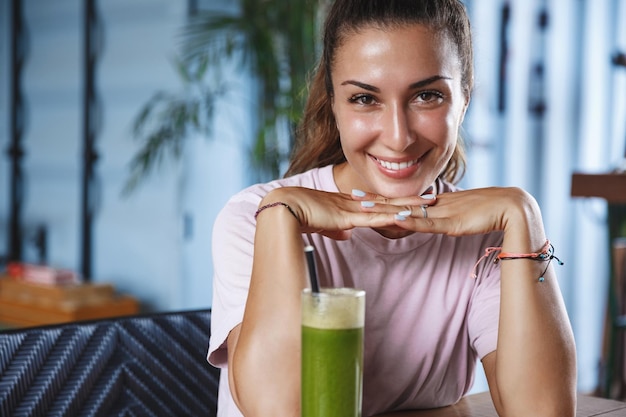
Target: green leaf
(275, 40)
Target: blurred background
(125, 127)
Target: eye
(429, 97)
(362, 99)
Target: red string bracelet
(278, 203)
(546, 254)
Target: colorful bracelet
(278, 203)
(546, 254)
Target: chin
(399, 192)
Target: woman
(371, 187)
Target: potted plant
(273, 39)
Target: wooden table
(480, 405)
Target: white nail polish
(400, 217)
(405, 213)
(428, 196)
(367, 204)
(358, 193)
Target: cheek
(355, 131)
(440, 128)
(450, 134)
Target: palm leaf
(275, 40)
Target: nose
(396, 130)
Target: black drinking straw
(310, 258)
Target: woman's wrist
(276, 204)
(278, 200)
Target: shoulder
(317, 178)
(240, 208)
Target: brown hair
(317, 138)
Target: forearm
(536, 360)
(266, 363)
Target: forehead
(385, 51)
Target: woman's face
(398, 103)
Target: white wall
(584, 130)
(139, 242)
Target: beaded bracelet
(546, 254)
(278, 203)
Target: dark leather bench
(147, 365)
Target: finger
(358, 194)
(401, 201)
(441, 225)
(426, 199)
(424, 210)
(422, 225)
(379, 207)
(372, 219)
(368, 197)
(420, 211)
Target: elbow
(256, 389)
(563, 405)
(241, 382)
(558, 410)
(556, 398)
(233, 386)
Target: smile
(396, 166)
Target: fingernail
(367, 204)
(405, 213)
(400, 217)
(358, 193)
(429, 196)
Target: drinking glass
(332, 352)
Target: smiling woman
(399, 103)
(372, 186)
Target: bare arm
(264, 358)
(264, 350)
(533, 370)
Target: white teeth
(395, 166)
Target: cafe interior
(106, 222)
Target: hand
(331, 214)
(462, 213)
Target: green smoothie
(332, 353)
(332, 371)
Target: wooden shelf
(611, 187)
(25, 304)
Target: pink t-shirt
(427, 319)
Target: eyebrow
(418, 84)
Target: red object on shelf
(41, 274)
